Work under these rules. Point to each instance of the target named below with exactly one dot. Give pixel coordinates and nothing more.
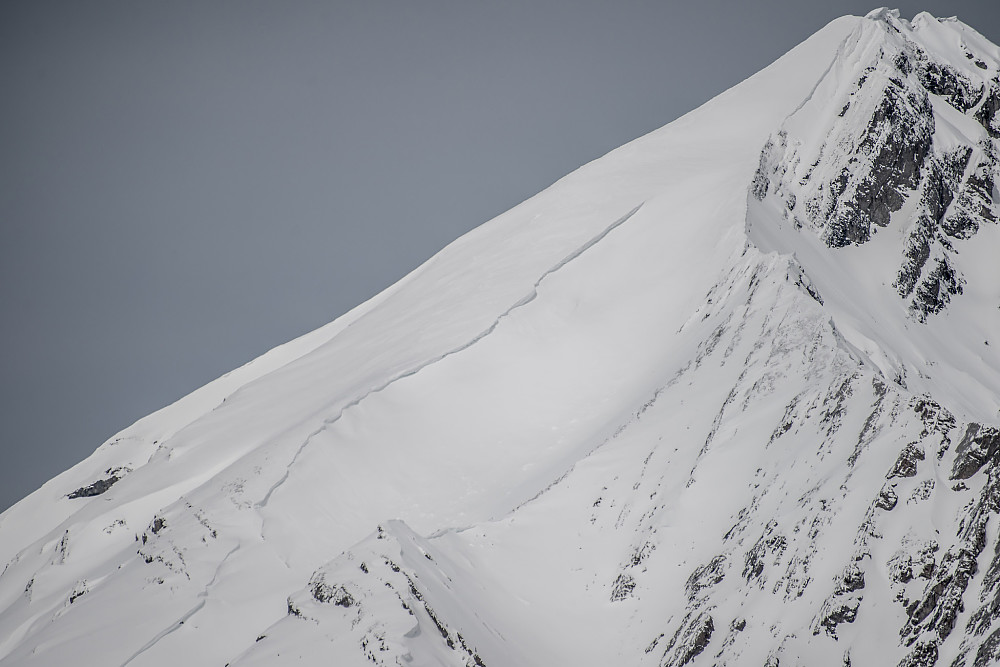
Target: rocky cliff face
(882, 151)
(726, 396)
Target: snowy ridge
(726, 396)
(903, 164)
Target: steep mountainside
(726, 396)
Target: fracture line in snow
(838, 54)
(218, 568)
(179, 622)
(531, 296)
(152, 642)
(620, 428)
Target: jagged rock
(942, 180)
(900, 569)
(903, 566)
(852, 579)
(938, 608)
(880, 165)
(948, 82)
(924, 654)
(902, 63)
(842, 606)
(101, 485)
(439, 624)
(79, 590)
(987, 113)
(935, 418)
(689, 640)
(293, 609)
(887, 498)
(706, 575)
(923, 491)
(978, 446)
(988, 504)
(906, 463)
(899, 137)
(769, 545)
(325, 592)
(933, 288)
(989, 651)
(622, 587)
(95, 489)
(926, 560)
(836, 611)
(936, 290)
(974, 204)
(916, 251)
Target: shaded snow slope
(714, 398)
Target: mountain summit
(727, 395)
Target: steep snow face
(726, 395)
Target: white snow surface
(571, 436)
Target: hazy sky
(186, 184)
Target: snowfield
(727, 395)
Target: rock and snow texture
(726, 396)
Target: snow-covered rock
(727, 395)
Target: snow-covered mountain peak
(891, 163)
(883, 14)
(727, 395)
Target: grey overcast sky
(186, 184)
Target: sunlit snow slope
(726, 396)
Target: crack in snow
(187, 615)
(531, 296)
(837, 57)
(175, 626)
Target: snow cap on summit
(882, 13)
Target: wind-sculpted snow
(726, 396)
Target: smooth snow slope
(642, 418)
